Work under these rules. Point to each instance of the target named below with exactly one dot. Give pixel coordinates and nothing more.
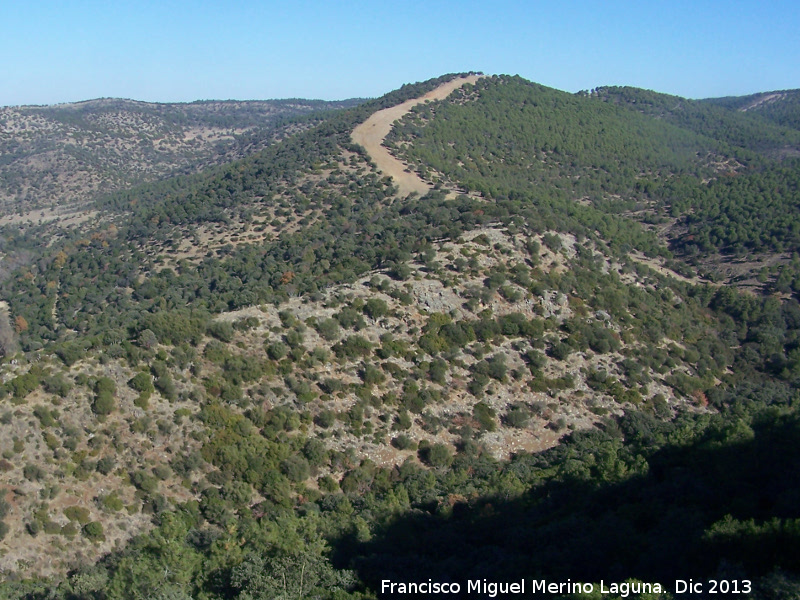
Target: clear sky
(55, 51)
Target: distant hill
(781, 107)
(70, 153)
(744, 122)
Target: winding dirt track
(374, 130)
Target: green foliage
(349, 318)
(222, 330)
(328, 329)
(325, 419)
(104, 404)
(144, 481)
(57, 384)
(531, 153)
(316, 453)
(436, 455)
(142, 382)
(112, 502)
(176, 327)
(299, 574)
(485, 415)
(371, 375)
(277, 350)
(166, 387)
(22, 385)
(376, 308)
(403, 442)
(517, 417)
(494, 367)
(44, 415)
(70, 352)
(353, 347)
(106, 465)
(78, 513)
(93, 531)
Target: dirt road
(374, 130)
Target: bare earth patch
(374, 130)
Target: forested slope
(781, 107)
(277, 378)
(705, 176)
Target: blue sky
(55, 51)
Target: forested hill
(765, 123)
(712, 181)
(781, 107)
(277, 377)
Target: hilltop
(289, 370)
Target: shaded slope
(722, 504)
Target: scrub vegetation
(577, 357)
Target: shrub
(44, 415)
(328, 484)
(315, 452)
(353, 347)
(105, 384)
(372, 375)
(77, 513)
(145, 482)
(103, 404)
(325, 419)
(33, 472)
(24, 384)
(331, 386)
(552, 241)
(517, 417)
(277, 350)
(166, 387)
(497, 367)
(296, 468)
(376, 308)
(221, 330)
(328, 329)
(57, 385)
(436, 455)
(70, 353)
(403, 442)
(560, 351)
(142, 382)
(105, 465)
(93, 531)
(485, 415)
